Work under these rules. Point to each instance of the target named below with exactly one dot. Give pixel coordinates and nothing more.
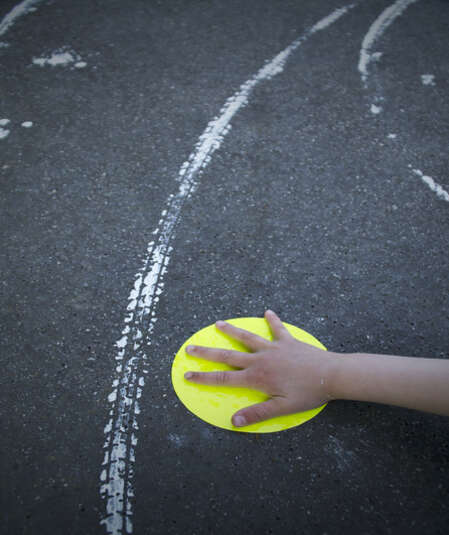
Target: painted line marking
(436, 188)
(428, 79)
(120, 441)
(383, 21)
(61, 58)
(27, 6)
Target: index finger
(250, 340)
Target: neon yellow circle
(216, 404)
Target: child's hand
(295, 375)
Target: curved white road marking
(120, 431)
(436, 188)
(385, 19)
(23, 8)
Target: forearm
(415, 383)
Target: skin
(299, 377)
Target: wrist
(336, 370)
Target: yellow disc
(216, 404)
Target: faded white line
(61, 58)
(436, 188)
(428, 79)
(385, 19)
(120, 431)
(4, 132)
(27, 6)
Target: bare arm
(298, 377)
(415, 383)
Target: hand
(295, 375)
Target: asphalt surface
(308, 208)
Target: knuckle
(257, 413)
(221, 378)
(260, 412)
(244, 335)
(224, 356)
(258, 375)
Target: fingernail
(188, 375)
(270, 312)
(189, 349)
(239, 421)
(220, 323)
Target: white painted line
(21, 9)
(120, 432)
(57, 58)
(428, 79)
(436, 188)
(385, 19)
(60, 58)
(27, 124)
(3, 133)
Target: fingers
(232, 358)
(259, 412)
(277, 327)
(222, 378)
(250, 340)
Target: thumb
(258, 413)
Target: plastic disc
(216, 404)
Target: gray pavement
(312, 206)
